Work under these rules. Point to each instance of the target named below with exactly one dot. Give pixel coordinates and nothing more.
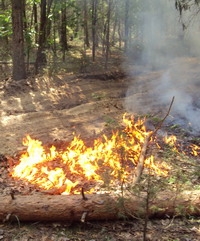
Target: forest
(39, 33)
(100, 109)
(44, 32)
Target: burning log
(73, 208)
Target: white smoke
(174, 54)
(186, 107)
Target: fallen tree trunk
(71, 208)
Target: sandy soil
(52, 109)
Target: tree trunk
(19, 68)
(44, 207)
(115, 21)
(85, 25)
(94, 23)
(108, 34)
(63, 31)
(48, 20)
(41, 56)
(126, 25)
(35, 13)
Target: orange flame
(195, 150)
(71, 167)
(170, 140)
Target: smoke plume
(168, 66)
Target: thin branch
(83, 194)
(162, 121)
(140, 165)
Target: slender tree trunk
(63, 31)
(114, 28)
(54, 35)
(27, 38)
(49, 19)
(41, 56)
(19, 69)
(94, 23)
(35, 22)
(104, 32)
(108, 33)
(119, 34)
(126, 25)
(86, 31)
(44, 32)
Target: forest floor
(55, 108)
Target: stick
(140, 165)
(162, 121)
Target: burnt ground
(55, 108)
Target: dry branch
(72, 208)
(162, 121)
(140, 165)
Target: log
(72, 208)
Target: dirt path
(54, 108)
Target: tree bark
(42, 207)
(41, 56)
(108, 34)
(63, 30)
(94, 25)
(126, 25)
(35, 16)
(19, 68)
(85, 25)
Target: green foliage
(5, 23)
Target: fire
(170, 140)
(77, 164)
(194, 150)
